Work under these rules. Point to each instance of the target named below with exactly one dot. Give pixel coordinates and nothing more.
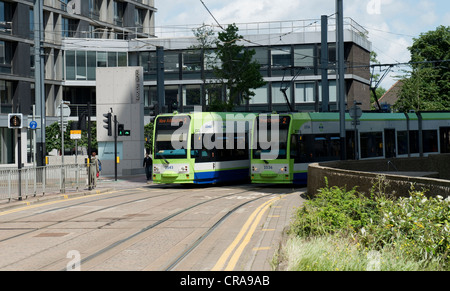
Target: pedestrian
(148, 166)
(94, 171)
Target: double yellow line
(250, 225)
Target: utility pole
(324, 60)
(39, 87)
(341, 73)
(160, 78)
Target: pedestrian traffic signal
(15, 120)
(120, 129)
(107, 122)
(154, 110)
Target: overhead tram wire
(212, 15)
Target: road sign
(33, 124)
(355, 112)
(65, 110)
(75, 134)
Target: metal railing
(41, 180)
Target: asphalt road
(133, 225)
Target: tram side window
(318, 148)
(430, 141)
(371, 144)
(429, 138)
(212, 147)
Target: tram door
(445, 140)
(389, 143)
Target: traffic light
(120, 129)
(15, 120)
(154, 111)
(107, 122)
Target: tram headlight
(155, 170)
(184, 169)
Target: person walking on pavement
(148, 166)
(93, 170)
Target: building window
(119, 8)
(260, 96)
(6, 96)
(304, 92)
(94, 9)
(277, 94)
(81, 65)
(5, 17)
(5, 56)
(192, 64)
(281, 58)
(139, 17)
(191, 95)
(304, 57)
(69, 27)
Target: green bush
(413, 228)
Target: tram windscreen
(271, 136)
(171, 137)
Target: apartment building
(63, 20)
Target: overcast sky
(392, 24)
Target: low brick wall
(363, 174)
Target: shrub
(411, 228)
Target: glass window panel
(277, 95)
(81, 65)
(191, 95)
(123, 62)
(304, 56)
(260, 96)
(91, 65)
(70, 65)
(102, 59)
(304, 92)
(112, 59)
(281, 57)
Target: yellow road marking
(65, 199)
(256, 216)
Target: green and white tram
(305, 138)
(202, 147)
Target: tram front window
(274, 138)
(171, 137)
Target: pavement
(104, 184)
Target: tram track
(97, 257)
(175, 261)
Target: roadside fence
(41, 180)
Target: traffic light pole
(115, 147)
(19, 160)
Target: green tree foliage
(238, 72)
(53, 137)
(428, 84)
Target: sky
(392, 24)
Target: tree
(237, 71)
(206, 38)
(427, 86)
(53, 137)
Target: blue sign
(33, 124)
